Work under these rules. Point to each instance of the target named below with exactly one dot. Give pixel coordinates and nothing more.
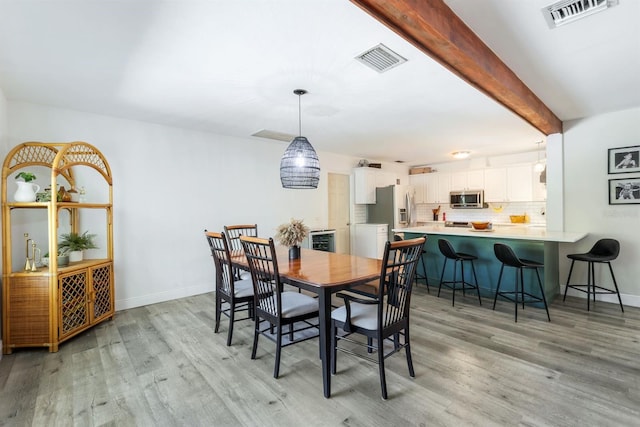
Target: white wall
(169, 185)
(586, 207)
(4, 149)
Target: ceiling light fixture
(460, 154)
(300, 167)
(540, 165)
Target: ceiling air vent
(272, 134)
(566, 11)
(380, 58)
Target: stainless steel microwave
(468, 199)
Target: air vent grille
(272, 134)
(566, 11)
(380, 58)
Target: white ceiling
(230, 67)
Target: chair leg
(455, 280)
(276, 369)
(369, 345)
(334, 343)
(566, 288)
(522, 285)
(616, 286)
(495, 298)
(218, 312)
(232, 312)
(256, 332)
(444, 266)
(291, 332)
(589, 276)
(544, 299)
(424, 271)
(515, 293)
(464, 294)
(407, 350)
(383, 380)
(475, 278)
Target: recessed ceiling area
(230, 68)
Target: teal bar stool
(508, 258)
(458, 257)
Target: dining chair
(238, 294)
(233, 233)
(384, 317)
(273, 306)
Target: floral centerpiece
(291, 234)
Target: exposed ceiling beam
(432, 27)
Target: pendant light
(539, 166)
(300, 167)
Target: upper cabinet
(365, 181)
(467, 180)
(515, 183)
(418, 182)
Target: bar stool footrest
(532, 298)
(583, 288)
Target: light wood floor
(162, 365)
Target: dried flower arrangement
(292, 233)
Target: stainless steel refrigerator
(394, 206)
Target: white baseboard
(630, 300)
(125, 304)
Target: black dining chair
(275, 308)
(384, 317)
(232, 294)
(233, 233)
(420, 275)
(603, 252)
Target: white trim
(162, 297)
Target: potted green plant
(74, 243)
(63, 258)
(27, 190)
(292, 234)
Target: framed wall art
(624, 191)
(624, 159)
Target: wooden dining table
(323, 273)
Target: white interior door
(339, 210)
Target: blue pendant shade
(300, 167)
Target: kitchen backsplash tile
(535, 211)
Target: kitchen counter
(528, 241)
(517, 232)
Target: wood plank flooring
(162, 365)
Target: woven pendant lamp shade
(300, 166)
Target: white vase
(75, 256)
(26, 192)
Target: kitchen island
(532, 242)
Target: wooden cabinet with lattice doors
(42, 306)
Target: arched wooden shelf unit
(46, 305)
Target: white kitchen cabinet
(370, 239)
(467, 180)
(519, 183)
(444, 187)
(509, 184)
(437, 187)
(365, 181)
(364, 185)
(495, 185)
(418, 183)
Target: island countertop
(520, 232)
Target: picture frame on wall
(624, 159)
(624, 191)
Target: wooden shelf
(45, 307)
